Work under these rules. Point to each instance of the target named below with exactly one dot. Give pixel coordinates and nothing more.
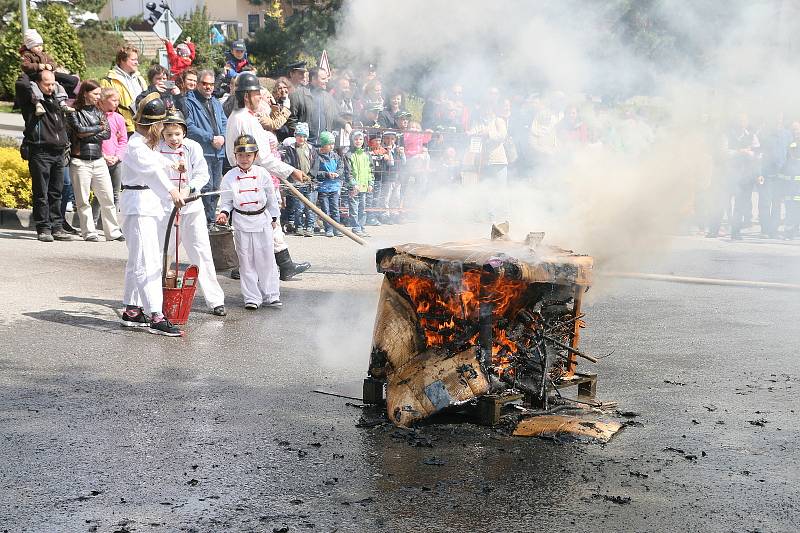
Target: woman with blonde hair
(115, 146)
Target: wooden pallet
(489, 409)
(586, 383)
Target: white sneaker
(275, 303)
(70, 208)
(251, 306)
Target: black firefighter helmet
(175, 117)
(246, 82)
(245, 144)
(150, 110)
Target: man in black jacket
(46, 140)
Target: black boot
(288, 267)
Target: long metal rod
(337, 395)
(570, 349)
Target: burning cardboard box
(462, 320)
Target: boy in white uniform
(248, 196)
(144, 183)
(243, 121)
(189, 173)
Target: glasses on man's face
(207, 83)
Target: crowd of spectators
(370, 153)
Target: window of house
(253, 23)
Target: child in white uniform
(144, 183)
(190, 173)
(248, 197)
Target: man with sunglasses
(206, 123)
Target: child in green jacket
(358, 171)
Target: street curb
(21, 218)
(15, 218)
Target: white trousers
(257, 268)
(94, 176)
(143, 270)
(193, 234)
(279, 239)
(277, 233)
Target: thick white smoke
(699, 63)
(615, 204)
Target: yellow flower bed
(15, 180)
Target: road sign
(166, 27)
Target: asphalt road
(103, 429)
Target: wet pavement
(103, 429)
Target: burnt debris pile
(490, 319)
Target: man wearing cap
(372, 111)
(299, 97)
(298, 74)
(236, 60)
(145, 182)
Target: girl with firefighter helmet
(145, 183)
(189, 172)
(248, 199)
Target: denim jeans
(358, 213)
(215, 173)
(374, 200)
(301, 211)
(329, 203)
(67, 195)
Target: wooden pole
(321, 213)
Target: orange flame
(445, 310)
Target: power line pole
(23, 15)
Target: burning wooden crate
(465, 320)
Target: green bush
(197, 26)
(100, 45)
(15, 180)
(60, 42)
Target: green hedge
(60, 42)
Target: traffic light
(156, 10)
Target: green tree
(60, 42)
(303, 35)
(198, 27)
